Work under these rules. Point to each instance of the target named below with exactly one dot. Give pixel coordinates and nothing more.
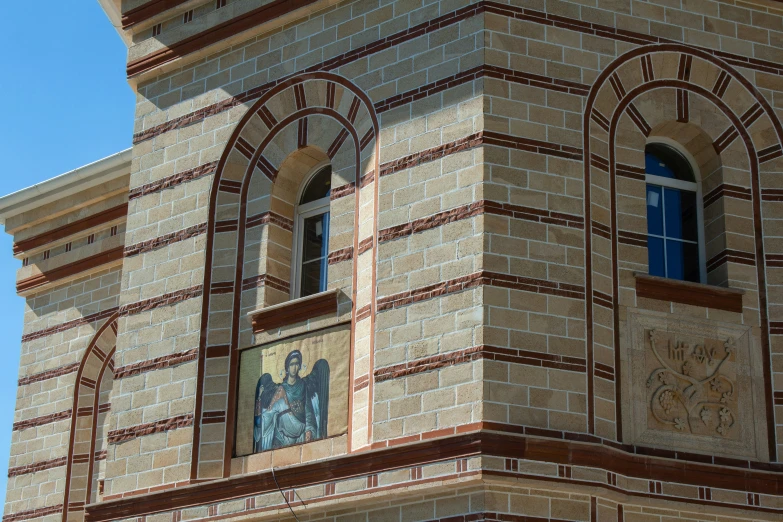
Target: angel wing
(317, 383)
(265, 390)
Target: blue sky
(66, 104)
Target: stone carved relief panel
(692, 385)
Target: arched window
(311, 235)
(675, 231)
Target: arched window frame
(695, 186)
(302, 212)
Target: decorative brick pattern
(475, 353)
(98, 316)
(479, 279)
(43, 419)
(49, 374)
(33, 513)
(163, 300)
(38, 466)
(157, 363)
(181, 421)
(168, 239)
(173, 180)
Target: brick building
(415, 260)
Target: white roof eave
(64, 185)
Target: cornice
(478, 443)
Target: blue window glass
(672, 222)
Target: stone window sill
(685, 292)
(294, 311)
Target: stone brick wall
(488, 248)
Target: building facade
(415, 260)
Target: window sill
(295, 311)
(684, 292)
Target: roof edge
(64, 185)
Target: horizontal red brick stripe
(33, 513)
(778, 398)
(365, 245)
(363, 313)
(530, 145)
(49, 374)
(482, 278)
(43, 419)
(266, 218)
(70, 229)
(602, 230)
(68, 325)
(772, 194)
(338, 256)
(629, 171)
(165, 240)
(776, 327)
(361, 383)
(342, 191)
(132, 432)
(158, 363)
(412, 160)
(481, 71)
(173, 180)
(263, 280)
(71, 269)
(163, 300)
(727, 191)
(478, 208)
(213, 417)
(733, 256)
(38, 466)
(475, 353)
(604, 371)
(631, 238)
(774, 260)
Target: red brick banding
(132, 432)
(43, 419)
(49, 374)
(262, 280)
(482, 278)
(266, 218)
(364, 245)
(474, 353)
(38, 466)
(173, 180)
(68, 325)
(70, 229)
(342, 191)
(147, 10)
(33, 513)
(338, 256)
(157, 363)
(165, 240)
(733, 256)
(71, 269)
(725, 190)
(478, 208)
(163, 300)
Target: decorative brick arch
(87, 409)
(613, 97)
(307, 116)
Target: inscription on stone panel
(692, 385)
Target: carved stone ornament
(692, 385)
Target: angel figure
(294, 411)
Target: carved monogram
(692, 388)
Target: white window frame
(689, 186)
(302, 212)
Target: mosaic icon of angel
(295, 410)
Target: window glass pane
(319, 186)
(691, 265)
(682, 261)
(675, 265)
(655, 256)
(315, 250)
(690, 224)
(673, 213)
(654, 210)
(665, 161)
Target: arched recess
(677, 78)
(307, 119)
(86, 449)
